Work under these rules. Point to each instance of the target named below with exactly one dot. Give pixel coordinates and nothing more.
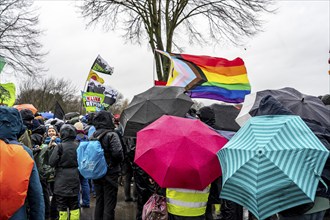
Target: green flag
(2, 63)
(93, 101)
(7, 94)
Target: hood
(67, 132)
(27, 117)
(326, 99)
(35, 124)
(103, 119)
(11, 124)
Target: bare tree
(44, 93)
(19, 35)
(162, 23)
(120, 104)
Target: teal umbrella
(271, 164)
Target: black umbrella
(225, 116)
(150, 105)
(306, 106)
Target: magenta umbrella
(179, 152)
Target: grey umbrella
(225, 116)
(306, 106)
(150, 105)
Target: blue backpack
(91, 160)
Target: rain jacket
(113, 150)
(64, 158)
(34, 193)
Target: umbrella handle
(321, 180)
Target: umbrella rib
(284, 174)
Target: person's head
(27, 117)
(326, 99)
(38, 128)
(52, 131)
(68, 132)
(79, 127)
(103, 119)
(11, 124)
(35, 124)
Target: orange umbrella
(26, 106)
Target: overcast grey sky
(292, 51)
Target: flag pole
(81, 106)
(85, 83)
(81, 93)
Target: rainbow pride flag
(209, 77)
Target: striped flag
(209, 77)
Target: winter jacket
(37, 136)
(34, 198)
(11, 126)
(64, 159)
(36, 139)
(113, 150)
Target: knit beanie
(79, 126)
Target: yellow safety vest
(187, 202)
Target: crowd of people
(57, 190)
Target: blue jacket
(47, 140)
(11, 127)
